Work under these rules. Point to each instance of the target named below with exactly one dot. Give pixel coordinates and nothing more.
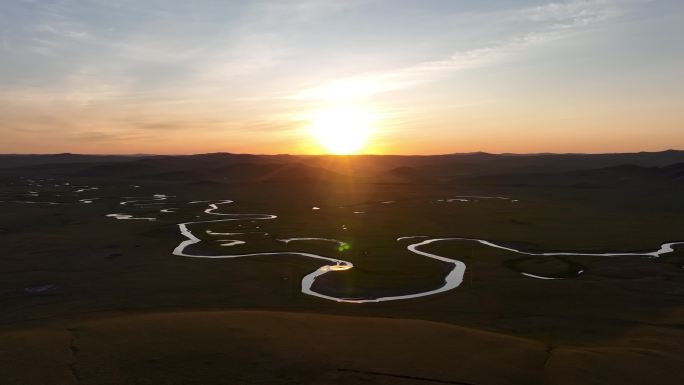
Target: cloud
(573, 12)
(546, 23)
(298, 11)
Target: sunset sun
(342, 130)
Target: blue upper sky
(246, 76)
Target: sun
(342, 130)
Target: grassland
(93, 300)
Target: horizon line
(343, 155)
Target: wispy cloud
(572, 12)
(547, 23)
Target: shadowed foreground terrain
(228, 347)
(94, 290)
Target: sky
(423, 77)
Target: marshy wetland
(558, 283)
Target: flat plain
(98, 287)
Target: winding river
(451, 281)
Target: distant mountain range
(580, 170)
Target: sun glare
(342, 130)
